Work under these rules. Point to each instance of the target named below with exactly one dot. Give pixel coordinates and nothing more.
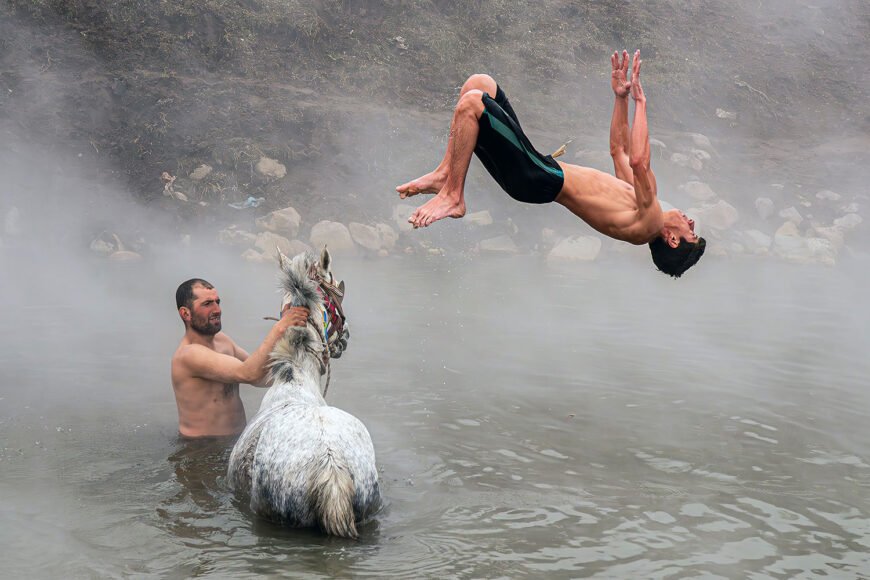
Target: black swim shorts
(510, 158)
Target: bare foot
(432, 182)
(439, 207)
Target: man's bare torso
(608, 204)
(206, 407)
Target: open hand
(618, 82)
(636, 89)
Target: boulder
(698, 190)
(792, 214)
(282, 221)
(270, 168)
(700, 140)
(848, 222)
(499, 245)
(789, 245)
(266, 242)
(365, 236)
(828, 195)
(821, 251)
(101, 246)
(787, 240)
(718, 216)
(689, 161)
(699, 154)
(550, 237)
(334, 235)
(389, 237)
(576, 248)
(298, 247)
(755, 242)
(786, 230)
(107, 243)
(764, 206)
(831, 233)
(252, 255)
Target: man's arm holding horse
(243, 355)
(205, 363)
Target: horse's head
(308, 281)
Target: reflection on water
(199, 466)
(527, 421)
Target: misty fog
(531, 417)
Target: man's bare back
(208, 365)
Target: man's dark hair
(184, 294)
(675, 261)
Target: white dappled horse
(302, 462)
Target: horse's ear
(283, 260)
(325, 259)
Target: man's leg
(434, 181)
(450, 201)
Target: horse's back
(293, 446)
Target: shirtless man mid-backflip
(624, 207)
(208, 366)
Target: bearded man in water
(208, 365)
(624, 207)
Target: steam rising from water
(484, 382)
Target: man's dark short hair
(675, 261)
(184, 294)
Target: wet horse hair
(301, 462)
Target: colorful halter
(333, 314)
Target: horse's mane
(290, 351)
(298, 342)
(297, 284)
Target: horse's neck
(305, 386)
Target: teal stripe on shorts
(506, 132)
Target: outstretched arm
(639, 158)
(619, 139)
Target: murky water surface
(584, 422)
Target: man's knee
(471, 103)
(480, 82)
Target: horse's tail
(332, 492)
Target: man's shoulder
(223, 345)
(186, 350)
